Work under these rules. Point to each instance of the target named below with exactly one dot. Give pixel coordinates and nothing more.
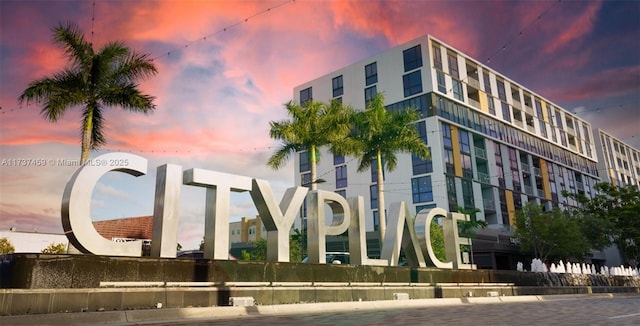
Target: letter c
(76, 205)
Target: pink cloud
(607, 83)
(576, 28)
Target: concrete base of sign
(38, 283)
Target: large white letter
(402, 235)
(76, 204)
(218, 198)
(423, 221)
(318, 230)
(452, 240)
(277, 223)
(165, 211)
(358, 235)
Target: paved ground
(600, 311)
(597, 309)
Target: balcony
(474, 103)
(473, 82)
(528, 190)
(489, 205)
(525, 167)
(540, 193)
(484, 178)
(580, 185)
(480, 153)
(517, 104)
(537, 171)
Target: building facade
(618, 163)
(495, 144)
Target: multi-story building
(495, 144)
(618, 163)
(246, 230)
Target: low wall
(39, 283)
(42, 271)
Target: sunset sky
(227, 67)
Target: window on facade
(341, 176)
(369, 93)
(376, 220)
(306, 95)
(338, 159)
(453, 65)
(442, 88)
(457, 90)
(492, 106)
(506, 112)
(305, 180)
(451, 193)
(437, 57)
(487, 82)
(467, 194)
(342, 193)
(305, 162)
(421, 166)
(337, 84)
(373, 194)
(412, 58)
(501, 92)
(421, 189)
(412, 83)
(371, 73)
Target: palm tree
(377, 136)
(312, 126)
(94, 80)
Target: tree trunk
(87, 129)
(314, 184)
(381, 213)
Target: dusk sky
(226, 68)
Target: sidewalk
(139, 317)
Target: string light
(225, 29)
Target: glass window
(337, 86)
(467, 194)
(338, 159)
(457, 90)
(487, 82)
(341, 176)
(442, 88)
(371, 73)
(453, 65)
(373, 194)
(501, 92)
(306, 95)
(492, 107)
(305, 161)
(305, 180)
(369, 93)
(412, 58)
(421, 189)
(437, 56)
(412, 83)
(342, 192)
(506, 112)
(421, 166)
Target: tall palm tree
(93, 80)
(312, 126)
(377, 136)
